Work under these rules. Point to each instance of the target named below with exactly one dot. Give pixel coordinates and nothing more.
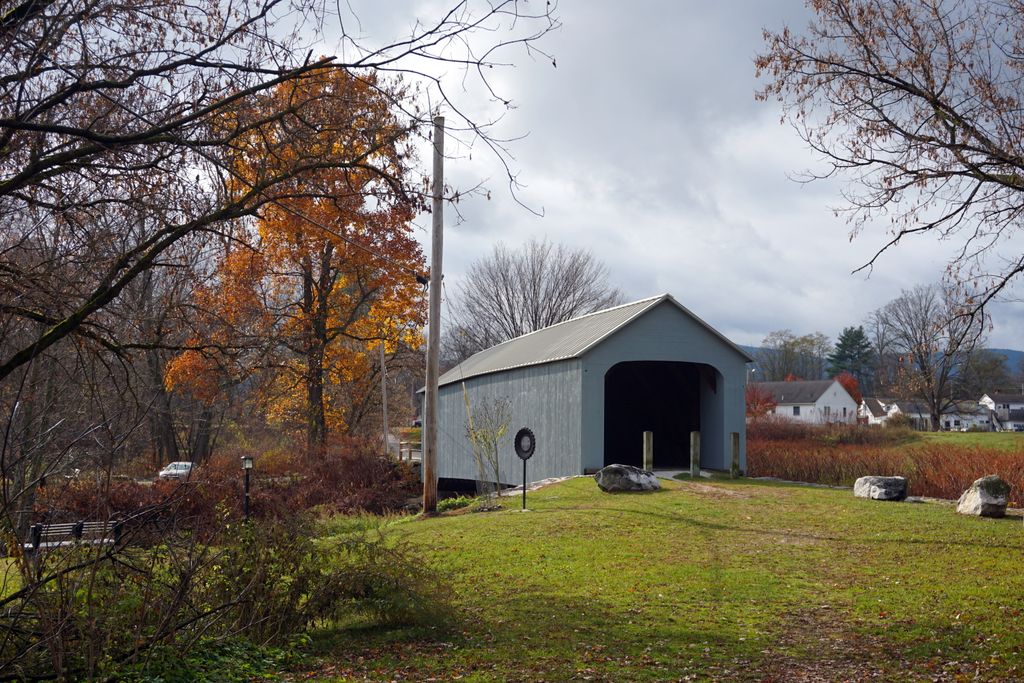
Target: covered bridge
(589, 387)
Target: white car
(176, 470)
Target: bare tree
(885, 361)
(510, 293)
(919, 104)
(932, 341)
(486, 425)
(783, 354)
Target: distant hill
(1013, 356)
(752, 350)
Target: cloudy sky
(646, 146)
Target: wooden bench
(44, 536)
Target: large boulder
(881, 488)
(987, 497)
(626, 478)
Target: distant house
(919, 414)
(815, 401)
(959, 417)
(874, 410)
(965, 415)
(1014, 421)
(1007, 409)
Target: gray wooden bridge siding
(546, 398)
(666, 333)
(563, 402)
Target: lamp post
(247, 468)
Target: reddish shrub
(773, 428)
(944, 472)
(351, 476)
(937, 471)
(814, 462)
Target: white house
(965, 415)
(818, 402)
(959, 417)
(919, 414)
(1008, 410)
(875, 411)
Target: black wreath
(525, 433)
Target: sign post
(525, 444)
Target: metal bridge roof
(569, 339)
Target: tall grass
(837, 457)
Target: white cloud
(646, 146)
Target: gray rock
(987, 497)
(881, 488)
(626, 478)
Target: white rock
(881, 488)
(986, 497)
(626, 478)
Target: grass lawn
(721, 580)
(1004, 441)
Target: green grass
(1004, 441)
(414, 434)
(720, 580)
(10, 579)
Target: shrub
(352, 476)
(454, 503)
(81, 616)
(775, 428)
(899, 421)
(279, 462)
(931, 470)
(226, 661)
(814, 462)
(831, 434)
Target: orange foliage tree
(337, 265)
(230, 335)
(759, 400)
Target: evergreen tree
(852, 354)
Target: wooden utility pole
(694, 455)
(734, 468)
(384, 399)
(429, 470)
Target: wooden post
(429, 472)
(734, 469)
(694, 455)
(649, 451)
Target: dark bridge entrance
(657, 396)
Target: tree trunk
(165, 441)
(316, 427)
(200, 450)
(315, 304)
